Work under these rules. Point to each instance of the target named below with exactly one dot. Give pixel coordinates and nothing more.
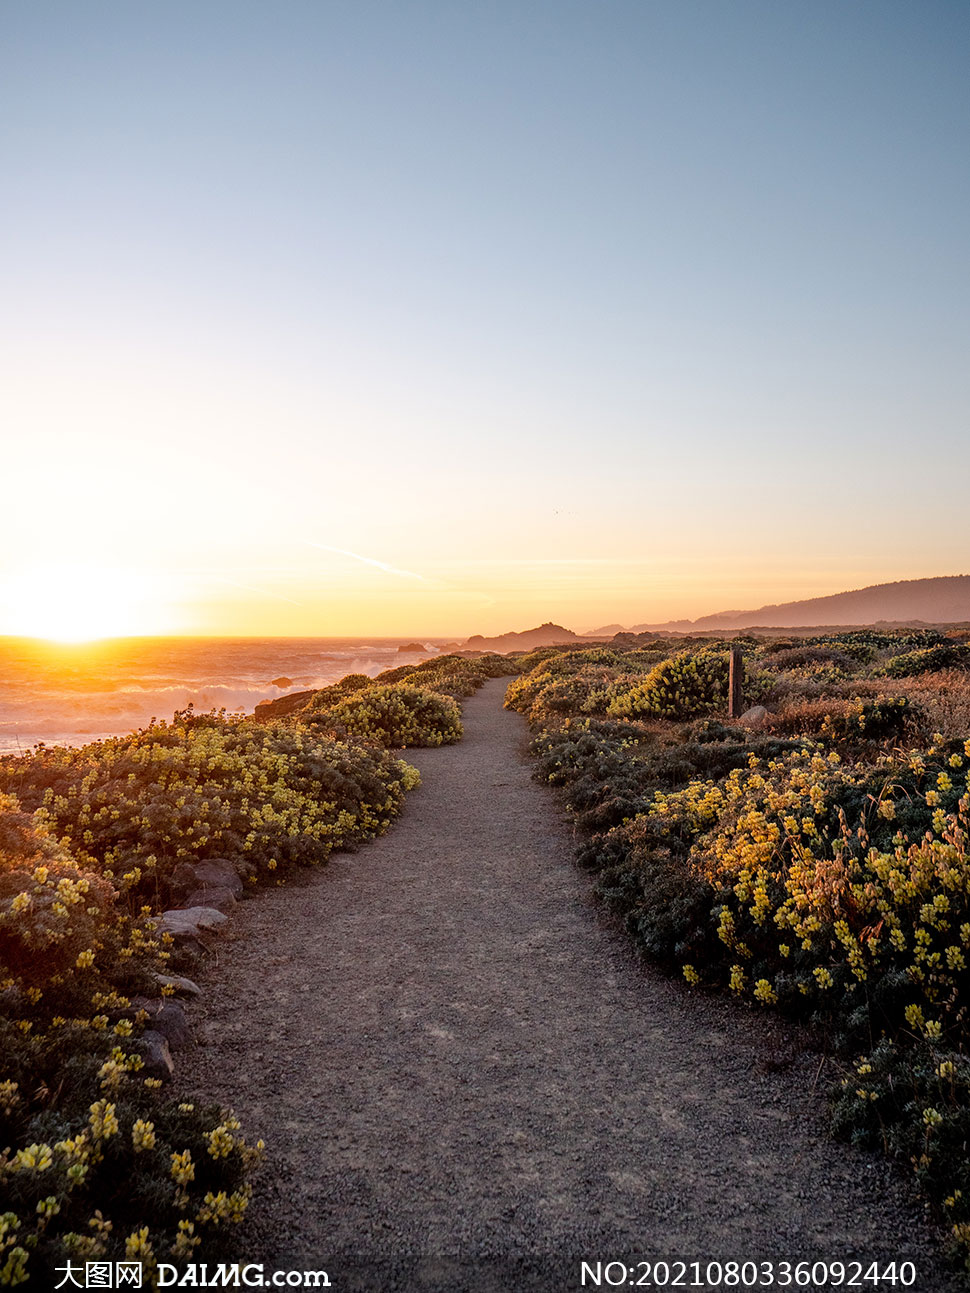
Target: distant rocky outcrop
(269, 710)
(413, 648)
(545, 635)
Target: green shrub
(522, 692)
(86, 1168)
(530, 660)
(946, 655)
(63, 939)
(204, 786)
(551, 692)
(887, 718)
(398, 716)
(910, 1096)
(452, 675)
(337, 691)
(690, 683)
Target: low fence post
(736, 684)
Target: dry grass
(792, 688)
(799, 657)
(944, 697)
(805, 716)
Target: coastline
(60, 694)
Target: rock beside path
(754, 717)
(218, 874)
(184, 987)
(223, 900)
(168, 1018)
(156, 1056)
(191, 922)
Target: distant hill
(607, 631)
(528, 640)
(942, 600)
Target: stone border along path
(467, 1081)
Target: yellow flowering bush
(63, 939)
(522, 693)
(931, 659)
(826, 874)
(84, 1138)
(381, 711)
(450, 675)
(205, 785)
(397, 716)
(689, 683)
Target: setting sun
(75, 603)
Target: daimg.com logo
(100, 1275)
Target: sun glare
(77, 604)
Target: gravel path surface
(467, 1081)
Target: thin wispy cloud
(368, 561)
(250, 588)
(480, 599)
(261, 592)
(558, 561)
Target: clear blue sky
(674, 292)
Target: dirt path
(467, 1081)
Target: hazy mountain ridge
(942, 599)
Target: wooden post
(736, 684)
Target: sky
(440, 318)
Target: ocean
(69, 694)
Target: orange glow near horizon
(321, 590)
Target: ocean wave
(65, 699)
